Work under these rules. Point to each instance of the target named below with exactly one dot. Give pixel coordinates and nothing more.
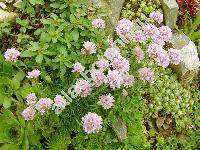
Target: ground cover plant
(66, 83)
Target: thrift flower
(28, 113)
(98, 23)
(78, 67)
(154, 49)
(150, 30)
(139, 54)
(92, 123)
(31, 99)
(146, 74)
(33, 74)
(89, 48)
(82, 88)
(98, 77)
(43, 104)
(156, 16)
(112, 53)
(12, 54)
(102, 64)
(115, 79)
(128, 80)
(121, 64)
(124, 26)
(59, 104)
(163, 59)
(106, 101)
(165, 33)
(139, 36)
(175, 56)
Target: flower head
(175, 56)
(163, 59)
(156, 16)
(33, 74)
(146, 74)
(98, 77)
(154, 49)
(12, 54)
(59, 101)
(102, 64)
(115, 79)
(31, 99)
(112, 53)
(82, 88)
(28, 113)
(128, 80)
(165, 33)
(43, 104)
(121, 64)
(78, 67)
(92, 123)
(106, 101)
(88, 48)
(150, 30)
(139, 36)
(98, 23)
(124, 26)
(139, 53)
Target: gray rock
(189, 66)
(170, 8)
(7, 16)
(112, 8)
(120, 129)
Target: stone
(7, 16)
(113, 10)
(170, 8)
(188, 69)
(120, 129)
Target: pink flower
(82, 88)
(150, 30)
(89, 48)
(175, 56)
(146, 74)
(98, 77)
(115, 79)
(33, 74)
(31, 99)
(92, 123)
(157, 39)
(154, 49)
(112, 53)
(139, 53)
(106, 101)
(128, 80)
(124, 26)
(60, 101)
(163, 59)
(102, 64)
(139, 36)
(121, 64)
(156, 16)
(43, 104)
(78, 67)
(28, 113)
(12, 54)
(165, 33)
(98, 23)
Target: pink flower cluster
(83, 88)
(175, 56)
(42, 105)
(139, 54)
(139, 36)
(33, 74)
(78, 67)
(98, 23)
(106, 101)
(102, 64)
(92, 123)
(156, 16)
(98, 77)
(124, 26)
(146, 74)
(88, 48)
(12, 54)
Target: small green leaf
(75, 35)
(7, 102)
(28, 53)
(39, 58)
